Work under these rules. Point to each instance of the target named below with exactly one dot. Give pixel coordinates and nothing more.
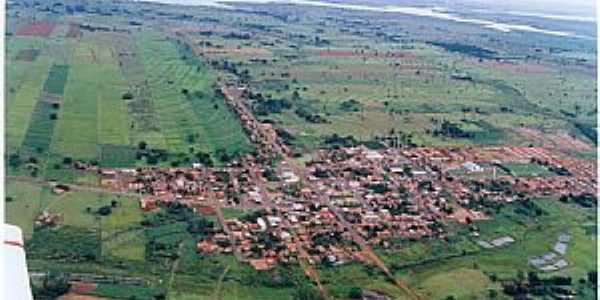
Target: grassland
(476, 267)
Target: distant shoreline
(432, 12)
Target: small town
(347, 197)
(300, 150)
(344, 200)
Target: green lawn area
(339, 281)
(120, 291)
(460, 283)
(528, 170)
(230, 213)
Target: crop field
(117, 156)
(23, 92)
(194, 118)
(60, 109)
(57, 78)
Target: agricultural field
(59, 110)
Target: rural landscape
(301, 150)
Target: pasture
(477, 266)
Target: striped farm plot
(21, 101)
(194, 118)
(93, 112)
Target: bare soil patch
(366, 54)
(43, 29)
(560, 140)
(231, 50)
(74, 31)
(513, 67)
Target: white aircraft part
(15, 278)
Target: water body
(432, 12)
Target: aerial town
(345, 199)
(302, 150)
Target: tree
(223, 155)
(593, 277)
(127, 96)
(142, 145)
(105, 210)
(53, 286)
(14, 160)
(355, 293)
(307, 293)
(152, 160)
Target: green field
(195, 119)
(61, 109)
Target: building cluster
(344, 199)
(263, 135)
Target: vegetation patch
(57, 78)
(122, 291)
(41, 127)
(66, 243)
(466, 49)
(28, 54)
(112, 156)
(527, 170)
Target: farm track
(218, 295)
(175, 266)
(77, 187)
